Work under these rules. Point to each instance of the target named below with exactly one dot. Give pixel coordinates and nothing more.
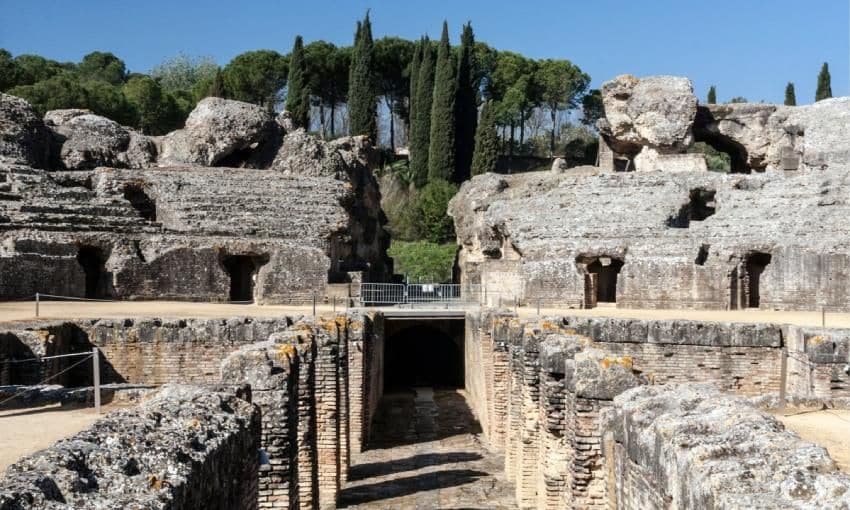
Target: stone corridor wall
(549, 384)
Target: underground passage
(425, 352)
(93, 262)
(242, 270)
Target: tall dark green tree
(790, 95)
(712, 95)
(362, 97)
(441, 154)
(486, 142)
(413, 73)
(824, 83)
(256, 77)
(466, 106)
(420, 127)
(298, 96)
(217, 86)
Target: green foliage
(256, 77)
(102, 66)
(715, 160)
(592, 107)
(441, 154)
(392, 61)
(298, 93)
(486, 142)
(327, 70)
(432, 205)
(420, 127)
(561, 85)
(216, 88)
(362, 98)
(57, 92)
(106, 99)
(423, 261)
(183, 72)
(8, 70)
(790, 95)
(158, 112)
(824, 90)
(413, 76)
(738, 99)
(32, 69)
(466, 106)
(712, 95)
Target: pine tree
(441, 154)
(297, 96)
(824, 83)
(486, 142)
(466, 109)
(420, 128)
(790, 95)
(217, 86)
(362, 97)
(712, 95)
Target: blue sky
(749, 48)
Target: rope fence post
(334, 304)
(95, 359)
(314, 305)
(37, 299)
(783, 377)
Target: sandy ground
(829, 428)
(25, 310)
(25, 431)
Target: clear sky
(749, 48)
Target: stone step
(89, 210)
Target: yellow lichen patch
(284, 351)
(194, 423)
(817, 340)
(570, 331)
(304, 327)
(155, 483)
(625, 362)
(549, 326)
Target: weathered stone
(656, 111)
(187, 447)
(87, 141)
(23, 136)
(217, 129)
(697, 448)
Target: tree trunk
(511, 146)
(322, 119)
(390, 105)
(333, 119)
(552, 138)
(521, 127)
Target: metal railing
(400, 293)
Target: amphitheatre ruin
(638, 334)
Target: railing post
(37, 302)
(538, 306)
(783, 377)
(96, 376)
(314, 305)
(334, 304)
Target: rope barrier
(49, 357)
(72, 298)
(16, 395)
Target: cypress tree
(415, 64)
(712, 95)
(466, 109)
(486, 142)
(824, 83)
(420, 129)
(217, 86)
(362, 97)
(297, 96)
(441, 154)
(790, 95)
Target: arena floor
(25, 310)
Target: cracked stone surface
(427, 451)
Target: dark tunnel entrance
(243, 270)
(601, 275)
(93, 262)
(423, 353)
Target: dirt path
(828, 428)
(25, 310)
(25, 431)
(427, 452)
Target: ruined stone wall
(689, 446)
(818, 361)
(206, 457)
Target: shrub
(423, 260)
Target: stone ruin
(233, 207)
(651, 228)
(254, 413)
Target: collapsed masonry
(670, 234)
(234, 207)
